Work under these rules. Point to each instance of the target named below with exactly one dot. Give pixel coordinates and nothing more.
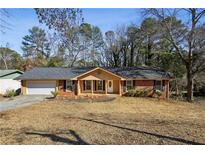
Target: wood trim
(120, 88)
(75, 78)
(106, 87)
(57, 83)
(23, 87)
(167, 89)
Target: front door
(110, 86)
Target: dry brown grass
(122, 121)
(1, 97)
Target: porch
(69, 88)
(97, 87)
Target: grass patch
(121, 121)
(2, 97)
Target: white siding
(6, 84)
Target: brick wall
(149, 85)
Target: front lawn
(2, 98)
(120, 121)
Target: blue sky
(24, 19)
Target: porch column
(105, 87)
(78, 87)
(120, 88)
(92, 87)
(167, 89)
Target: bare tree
(65, 22)
(4, 24)
(113, 52)
(187, 37)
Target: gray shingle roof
(52, 73)
(141, 72)
(7, 72)
(68, 73)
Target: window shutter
(124, 86)
(73, 86)
(133, 84)
(163, 85)
(83, 84)
(64, 85)
(154, 86)
(125, 83)
(103, 84)
(95, 84)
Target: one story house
(7, 80)
(80, 81)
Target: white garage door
(40, 87)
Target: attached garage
(40, 87)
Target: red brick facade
(137, 84)
(149, 84)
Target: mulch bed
(87, 99)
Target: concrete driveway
(20, 101)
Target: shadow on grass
(90, 99)
(50, 98)
(147, 133)
(56, 138)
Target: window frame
(98, 85)
(130, 86)
(71, 86)
(85, 87)
(156, 86)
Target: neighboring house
(79, 81)
(7, 80)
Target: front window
(158, 85)
(100, 85)
(129, 84)
(110, 84)
(69, 85)
(87, 85)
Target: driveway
(20, 101)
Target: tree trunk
(149, 55)
(176, 88)
(189, 64)
(5, 64)
(116, 59)
(132, 55)
(125, 58)
(189, 85)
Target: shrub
(54, 93)
(144, 93)
(158, 93)
(138, 93)
(131, 93)
(10, 93)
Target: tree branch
(198, 17)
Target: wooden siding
(115, 86)
(100, 74)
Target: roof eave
(76, 77)
(11, 73)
